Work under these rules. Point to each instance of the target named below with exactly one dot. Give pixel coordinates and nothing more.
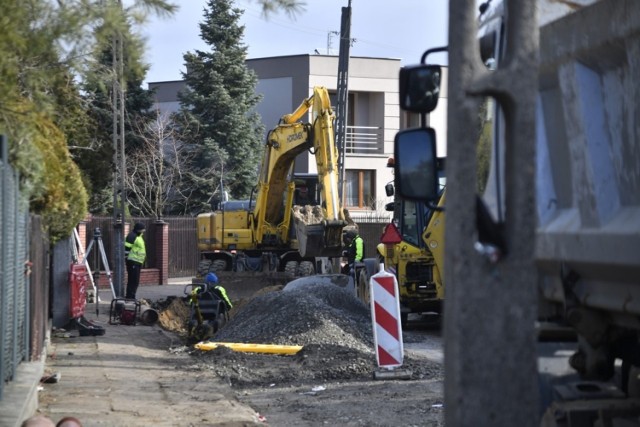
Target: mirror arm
(423, 120)
(423, 59)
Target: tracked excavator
(272, 233)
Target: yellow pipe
(251, 348)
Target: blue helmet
(211, 278)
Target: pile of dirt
(173, 315)
(308, 214)
(333, 327)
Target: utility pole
(343, 95)
(119, 193)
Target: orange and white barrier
(385, 316)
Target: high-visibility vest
(223, 292)
(355, 251)
(359, 248)
(136, 250)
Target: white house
(373, 118)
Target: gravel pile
(333, 327)
(317, 314)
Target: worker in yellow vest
(135, 254)
(212, 283)
(354, 252)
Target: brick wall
(148, 276)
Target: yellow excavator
(272, 233)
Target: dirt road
(358, 401)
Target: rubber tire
(633, 383)
(218, 265)
(204, 331)
(306, 268)
(362, 281)
(404, 319)
(203, 267)
(363, 291)
(219, 323)
(291, 269)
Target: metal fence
(183, 244)
(370, 229)
(183, 248)
(13, 254)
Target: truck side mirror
(420, 88)
(416, 175)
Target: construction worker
(135, 254)
(212, 283)
(355, 250)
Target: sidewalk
(129, 376)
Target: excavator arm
(326, 153)
(320, 232)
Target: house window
(360, 186)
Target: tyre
(307, 268)
(203, 331)
(291, 269)
(218, 265)
(203, 267)
(363, 291)
(404, 318)
(632, 381)
(219, 323)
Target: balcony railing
(364, 140)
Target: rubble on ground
(318, 314)
(238, 304)
(333, 327)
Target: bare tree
(156, 168)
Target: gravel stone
(333, 327)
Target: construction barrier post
(385, 317)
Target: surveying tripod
(97, 238)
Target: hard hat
(350, 234)
(138, 227)
(211, 278)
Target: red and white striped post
(385, 316)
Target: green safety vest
(359, 248)
(137, 250)
(223, 292)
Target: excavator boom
(318, 228)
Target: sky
(401, 29)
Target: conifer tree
(97, 162)
(218, 104)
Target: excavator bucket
(316, 236)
